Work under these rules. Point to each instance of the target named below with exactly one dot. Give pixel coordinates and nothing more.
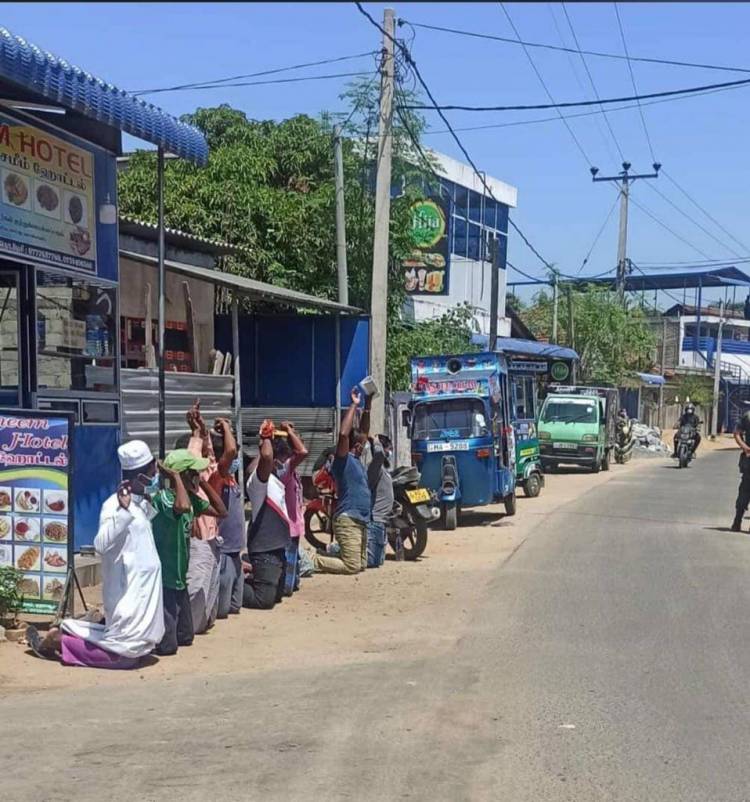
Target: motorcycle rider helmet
(689, 408)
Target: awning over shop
(514, 345)
(690, 278)
(246, 286)
(651, 378)
(46, 76)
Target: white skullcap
(134, 454)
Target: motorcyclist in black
(742, 438)
(688, 418)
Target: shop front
(60, 134)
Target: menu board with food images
(426, 270)
(47, 208)
(35, 514)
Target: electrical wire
(598, 234)
(709, 216)
(653, 286)
(693, 221)
(545, 87)
(580, 103)
(632, 80)
(299, 79)
(526, 275)
(456, 138)
(276, 70)
(591, 81)
(598, 54)
(579, 114)
(667, 228)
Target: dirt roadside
(418, 608)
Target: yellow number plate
(417, 496)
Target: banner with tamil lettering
(47, 197)
(427, 268)
(36, 533)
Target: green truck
(577, 427)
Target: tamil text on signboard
(35, 518)
(47, 208)
(426, 270)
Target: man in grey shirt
(376, 459)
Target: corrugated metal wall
(140, 396)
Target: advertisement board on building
(427, 269)
(36, 524)
(51, 186)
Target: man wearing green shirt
(177, 505)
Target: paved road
(608, 660)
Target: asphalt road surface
(608, 660)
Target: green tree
(448, 334)
(612, 339)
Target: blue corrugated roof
(56, 80)
(515, 345)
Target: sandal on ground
(34, 640)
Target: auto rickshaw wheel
(450, 517)
(532, 486)
(510, 504)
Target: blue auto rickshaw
(462, 437)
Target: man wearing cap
(131, 579)
(177, 505)
(742, 438)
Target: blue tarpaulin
(515, 345)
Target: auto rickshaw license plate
(456, 445)
(571, 446)
(418, 496)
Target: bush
(10, 598)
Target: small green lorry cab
(577, 427)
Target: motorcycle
(414, 508)
(685, 445)
(624, 440)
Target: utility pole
(161, 252)
(554, 306)
(717, 374)
(338, 163)
(623, 181)
(494, 289)
(379, 296)
(571, 322)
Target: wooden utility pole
(379, 296)
(495, 289)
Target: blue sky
(700, 141)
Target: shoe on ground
(735, 527)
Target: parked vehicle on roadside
(686, 439)
(414, 509)
(624, 440)
(577, 427)
(461, 431)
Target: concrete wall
(133, 279)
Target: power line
(709, 216)
(632, 80)
(546, 88)
(653, 286)
(694, 221)
(591, 80)
(578, 103)
(410, 61)
(300, 79)
(203, 84)
(599, 234)
(696, 264)
(667, 228)
(526, 275)
(579, 114)
(598, 54)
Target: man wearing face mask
(376, 459)
(352, 502)
(131, 578)
(177, 505)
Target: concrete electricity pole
(379, 296)
(717, 374)
(623, 181)
(555, 301)
(338, 163)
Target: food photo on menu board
(35, 535)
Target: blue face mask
(152, 488)
(235, 466)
